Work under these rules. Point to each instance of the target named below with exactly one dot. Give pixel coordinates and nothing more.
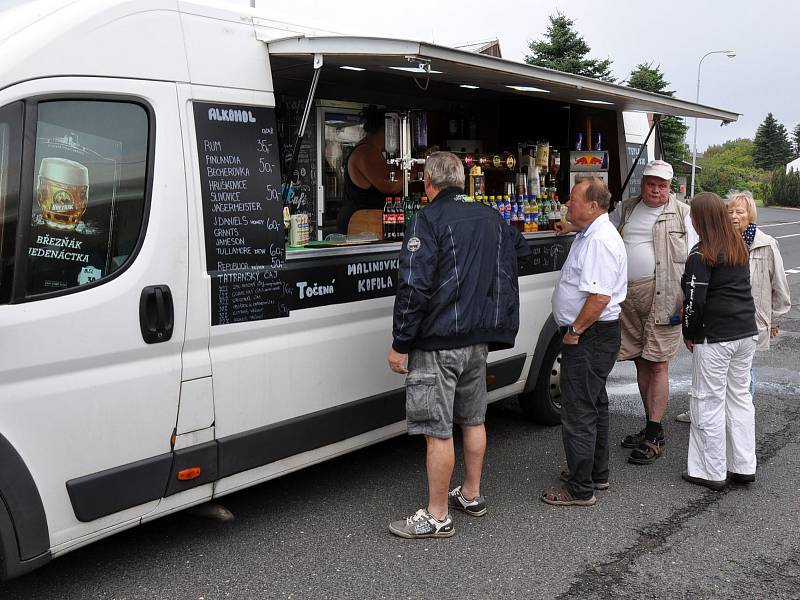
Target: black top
(356, 198)
(457, 279)
(718, 305)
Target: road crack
(606, 580)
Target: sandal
(647, 453)
(559, 496)
(635, 439)
(598, 485)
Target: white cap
(658, 168)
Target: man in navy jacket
(457, 298)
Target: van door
(92, 332)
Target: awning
(422, 60)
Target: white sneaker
(423, 524)
(684, 417)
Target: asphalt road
(321, 533)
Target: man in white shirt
(658, 235)
(586, 305)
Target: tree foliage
(785, 188)
(564, 49)
(796, 139)
(650, 78)
(772, 149)
(729, 166)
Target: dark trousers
(584, 404)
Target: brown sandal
(559, 496)
(647, 453)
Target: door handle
(156, 314)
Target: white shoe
(684, 417)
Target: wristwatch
(573, 332)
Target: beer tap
(403, 160)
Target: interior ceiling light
(414, 70)
(527, 88)
(595, 101)
(469, 86)
(346, 68)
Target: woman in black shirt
(719, 328)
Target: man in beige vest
(658, 235)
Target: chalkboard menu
(240, 178)
(304, 177)
(635, 184)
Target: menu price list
(243, 217)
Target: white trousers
(722, 436)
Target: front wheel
(543, 404)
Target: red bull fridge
(592, 162)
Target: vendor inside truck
(366, 181)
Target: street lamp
(729, 54)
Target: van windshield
(10, 123)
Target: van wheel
(543, 405)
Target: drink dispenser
(392, 142)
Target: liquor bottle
(424, 201)
(387, 219)
(400, 220)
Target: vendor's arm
(371, 167)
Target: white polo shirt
(597, 264)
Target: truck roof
(207, 43)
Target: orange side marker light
(189, 474)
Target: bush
(784, 188)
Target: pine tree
(796, 139)
(649, 78)
(564, 49)
(772, 148)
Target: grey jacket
(769, 286)
(671, 247)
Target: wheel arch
(546, 335)
(24, 536)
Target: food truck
(176, 323)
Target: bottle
(507, 208)
(387, 219)
(400, 219)
(520, 214)
(534, 216)
(551, 216)
(424, 201)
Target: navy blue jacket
(457, 283)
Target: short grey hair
(744, 197)
(596, 190)
(445, 170)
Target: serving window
(503, 139)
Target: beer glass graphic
(63, 192)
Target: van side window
(89, 192)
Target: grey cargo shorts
(443, 387)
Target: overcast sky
(763, 77)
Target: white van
(159, 346)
